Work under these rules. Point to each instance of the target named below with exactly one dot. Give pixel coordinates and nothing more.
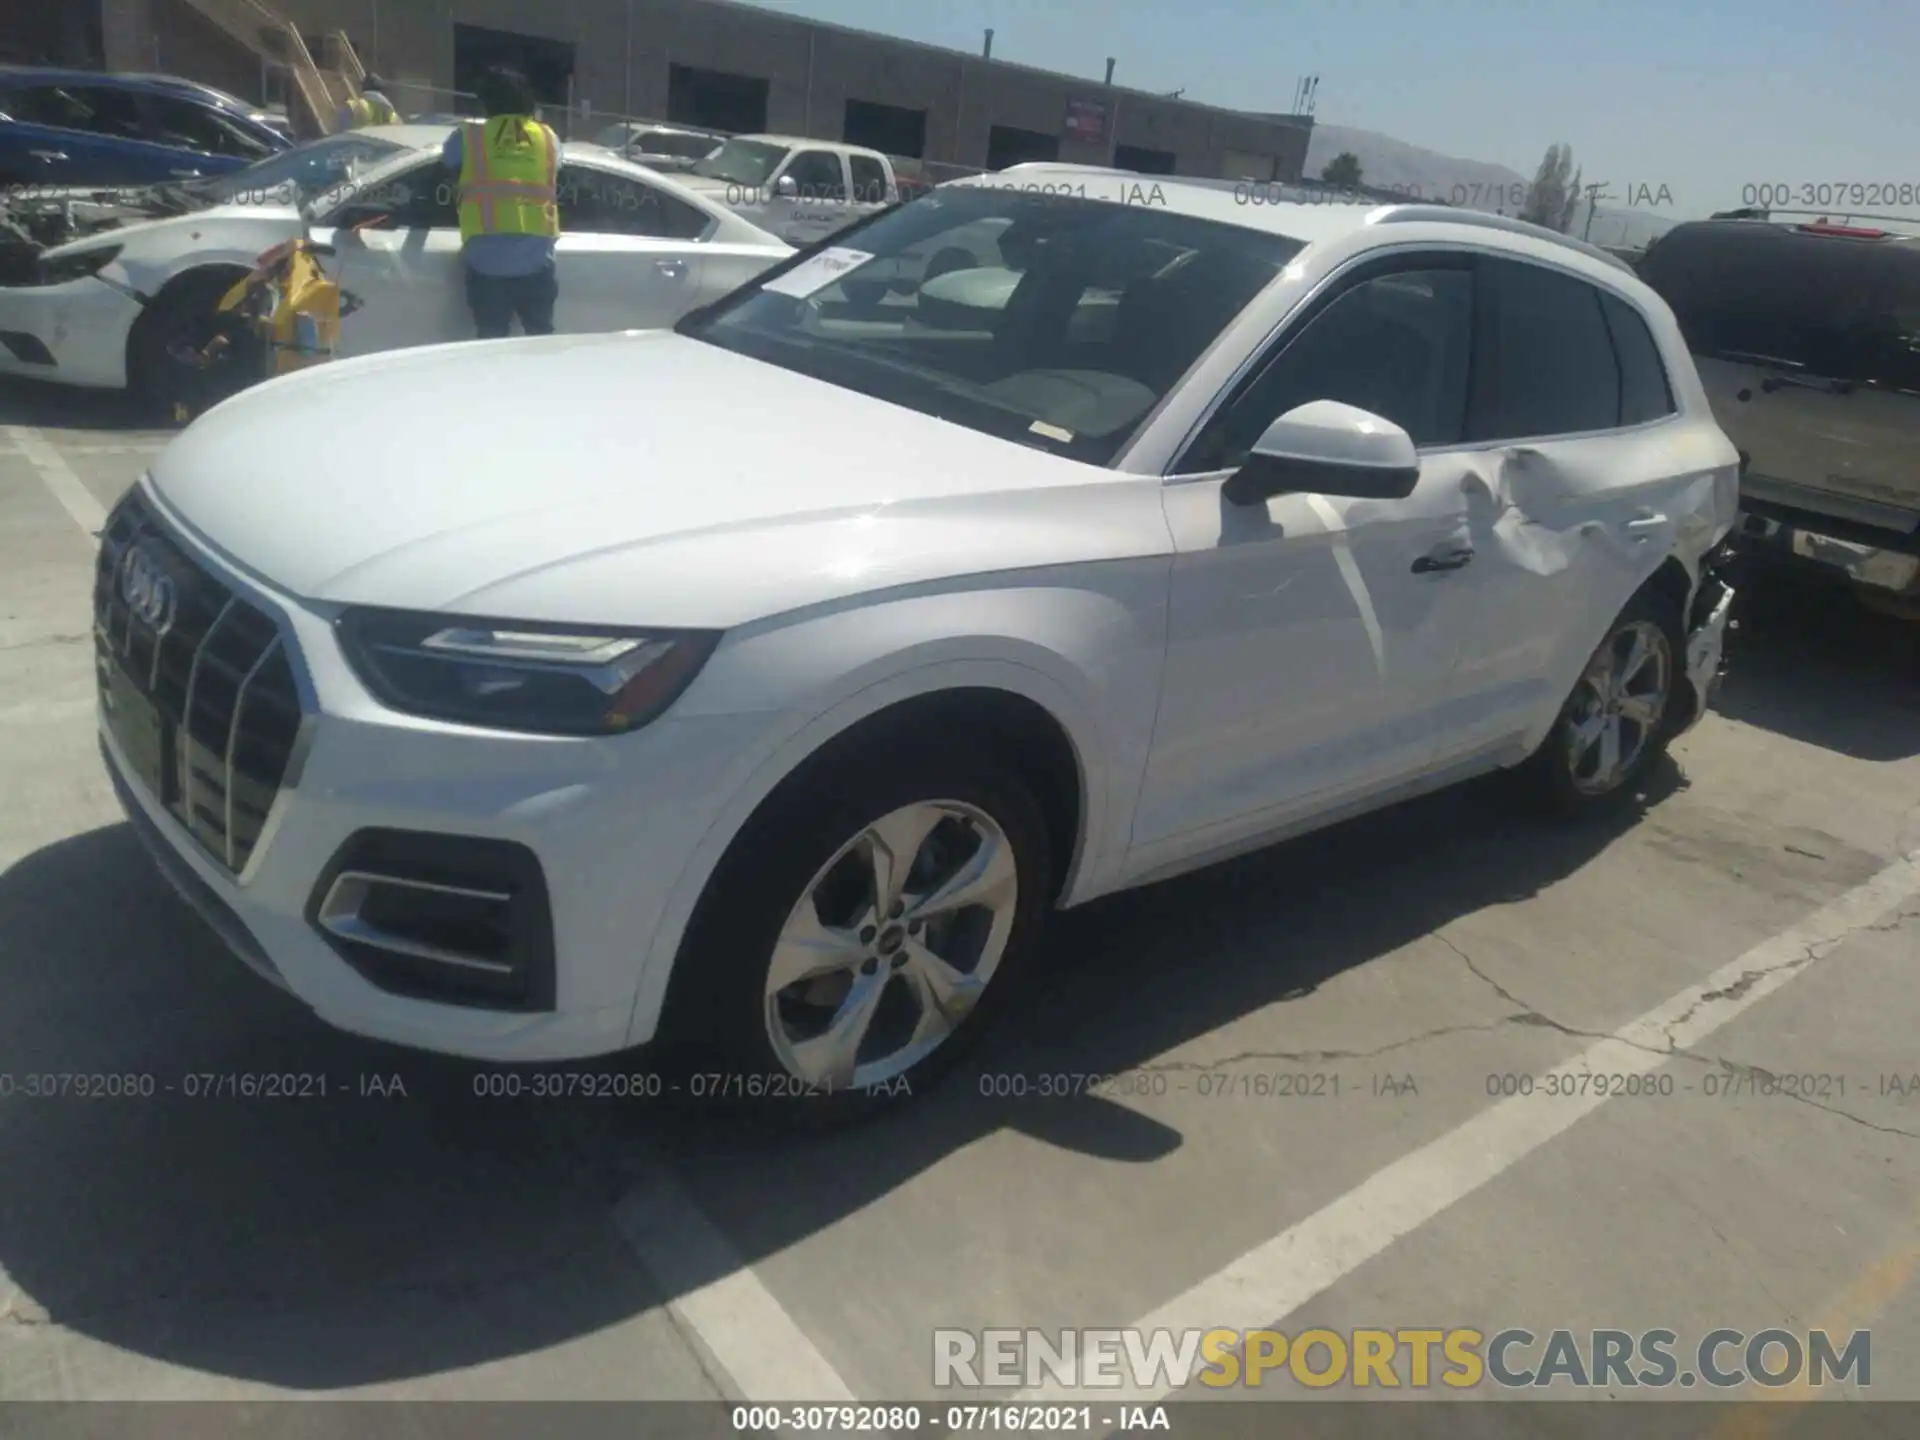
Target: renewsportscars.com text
(1459, 1358)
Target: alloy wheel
(1619, 706)
(891, 945)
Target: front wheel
(1618, 720)
(162, 374)
(858, 937)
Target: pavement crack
(43, 640)
(1763, 1083)
(1314, 1057)
(1528, 1014)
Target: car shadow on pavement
(54, 408)
(365, 1237)
(1813, 664)
(314, 1242)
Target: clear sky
(1705, 97)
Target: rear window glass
(1766, 294)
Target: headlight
(506, 675)
(77, 267)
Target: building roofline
(1298, 122)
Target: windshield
(292, 177)
(615, 136)
(1057, 323)
(744, 162)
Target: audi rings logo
(147, 589)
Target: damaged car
(528, 741)
(118, 289)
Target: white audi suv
(763, 684)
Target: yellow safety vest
(509, 178)
(367, 112)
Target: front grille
(215, 672)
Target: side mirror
(1327, 448)
(787, 188)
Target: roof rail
(1448, 215)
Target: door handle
(49, 155)
(1443, 560)
(1645, 524)
(672, 269)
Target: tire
(1566, 776)
(744, 1039)
(181, 315)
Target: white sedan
(130, 278)
(548, 727)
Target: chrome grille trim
(183, 741)
(259, 740)
(233, 735)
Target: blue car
(79, 127)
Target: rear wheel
(858, 937)
(1619, 719)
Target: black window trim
(1400, 260)
(1620, 364)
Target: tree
(1342, 170)
(1555, 191)
(1571, 204)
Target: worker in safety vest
(370, 107)
(509, 167)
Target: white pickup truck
(801, 190)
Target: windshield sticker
(817, 273)
(1050, 432)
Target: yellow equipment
(282, 317)
(294, 308)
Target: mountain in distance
(1426, 174)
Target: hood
(639, 478)
(131, 221)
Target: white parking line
(58, 476)
(1270, 1282)
(720, 1301)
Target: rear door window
(96, 109)
(1543, 362)
(599, 202)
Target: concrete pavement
(1288, 1046)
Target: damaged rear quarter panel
(1565, 513)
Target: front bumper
(72, 334)
(610, 824)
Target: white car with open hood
(548, 724)
(107, 289)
